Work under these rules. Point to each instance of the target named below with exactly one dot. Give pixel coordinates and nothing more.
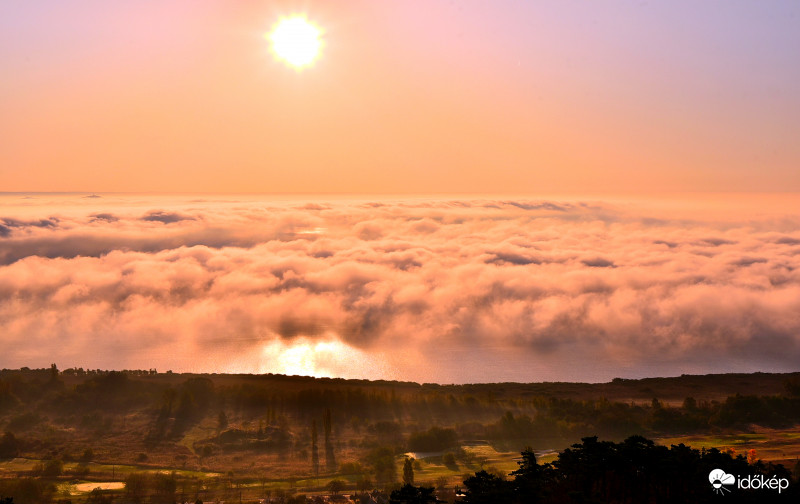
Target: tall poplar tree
(314, 452)
(408, 471)
(330, 459)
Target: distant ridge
(669, 389)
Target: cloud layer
(447, 290)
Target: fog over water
(445, 289)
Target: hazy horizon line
(421, 383)
(337, 194)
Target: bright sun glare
(296, 41)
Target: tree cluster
(632, 471)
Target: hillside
(79, 425)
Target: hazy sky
(545, 100)
(417, 97)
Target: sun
(296, 41)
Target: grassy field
(770, 445)
(429, 471)
(781, 446)
(98, 471)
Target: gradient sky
(408, 97)
(541, 103)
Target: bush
(53, 468)
(336, 485)
(9, 446)
(350, 468)
(81, 470)
(434, 439)
(382, 461)
(27, 490)
(98, 496)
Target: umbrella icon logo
(718, 478)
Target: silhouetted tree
(410, 494)
(53, 468)
(314, 450)
(53, 380)
(485, 488)
(408, 471)
(336, 485)
(530, 477)
(137, 486)
(330, 459)
(164, 486)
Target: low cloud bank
(455, 290)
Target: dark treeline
(564, 418)
(188, 398)
(278, 406)
(633, 471)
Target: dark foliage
(382, 461)
(9, 446)
(27, 490)
(486, 488)
(98, 496)
(410, 494)
(635, 470)
(434, 439)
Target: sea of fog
(447, 289)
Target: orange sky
(408, 97)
